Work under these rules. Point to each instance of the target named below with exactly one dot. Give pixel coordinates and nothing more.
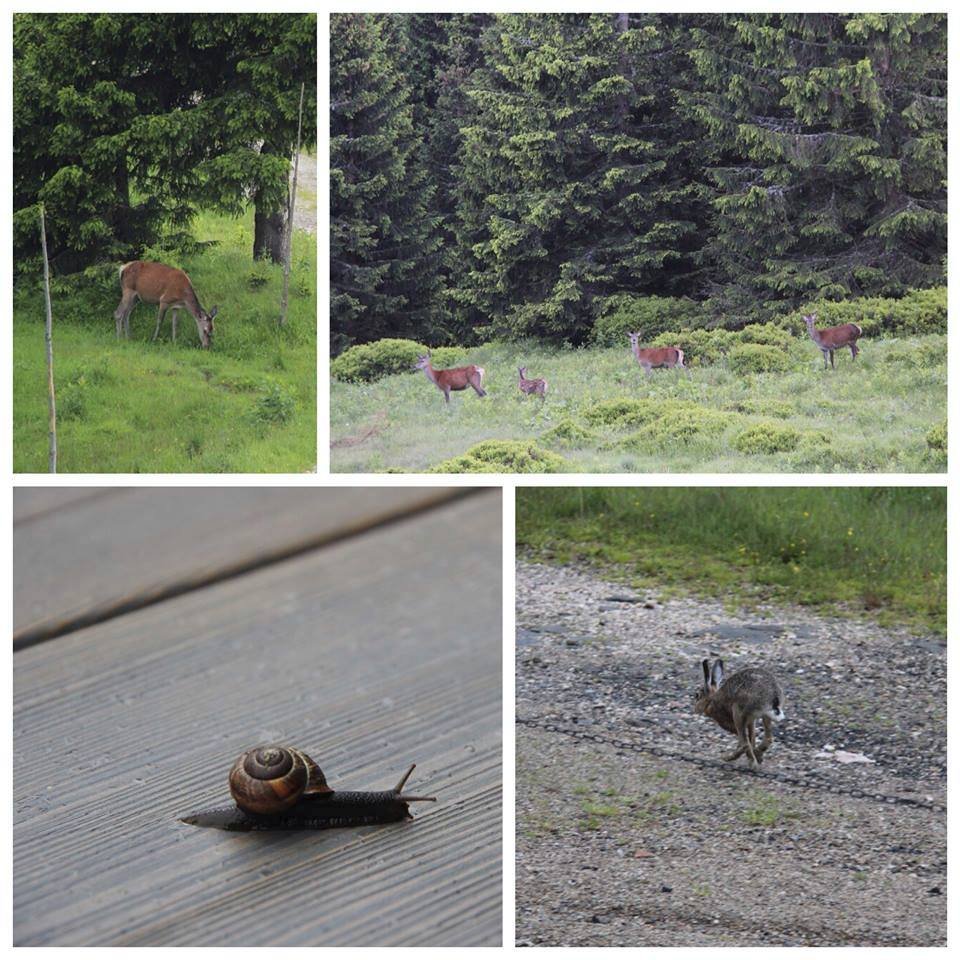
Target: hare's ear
(706, 673)
(716, 674)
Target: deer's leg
(173, 322)
(122, 314)
(446, 394)
(161, 310)
(854, 350)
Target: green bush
(679, 423)
(920, 355)
(568, 433)
(768, 437)
(757, 358)
(700, 347)
(937, 437)
(768, 334)
(503, 456)
(781, 409)
(625, 313)
(623, 412)
(371, 361)
(919, 312)
(276, 406)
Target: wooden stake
(288, 239)
(51, 395)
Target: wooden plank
(32, 503)
(78, 562)
(372, 653)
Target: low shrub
(568, 433)
(751, 406)
(503, 456)
(371, 361)
(649, 316)
(623, 412)
(757, 358)
(937, 437)
(919, 312)
(767, 437)
(276, 406)
(768, 334)
(686, 422)
(923, 355)
(700, 347)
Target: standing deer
(167, 286)
(655, 356)
(458, 378)
(538, 386)
(833, 338)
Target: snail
(281, 788)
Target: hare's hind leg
(767, 739)
(751, 731)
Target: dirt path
(305, 209)
(620, 846)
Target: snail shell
(272, 779)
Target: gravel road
(623, 847)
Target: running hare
(747, 696)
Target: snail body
(281, 788)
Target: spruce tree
(828, 135)
(573, 179)
(383, 251)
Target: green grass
(876, 551)
(868, 416)
(133, 406)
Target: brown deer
(833, 338)
(166, 286)
(458, 378)
(538, 386)
(655, 356)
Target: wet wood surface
(370, 653)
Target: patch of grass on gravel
(869, 551)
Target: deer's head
(205, 327)
(423, 362)
(810, 320)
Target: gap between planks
(199, 579)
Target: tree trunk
(267, 233)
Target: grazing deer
(833, 338)
(458, 378)
(655, 356)
(167, 286)
(538, 386)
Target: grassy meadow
(134, 406)
(885, 412)
(875, 551)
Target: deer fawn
(167, 286)
(833, 338)
(458, 378)
(655, 356)
(538, 386)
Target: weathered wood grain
(77, 563)
(371, 653)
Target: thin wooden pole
(51, 394)
(288, 239)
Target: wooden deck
(363, 626)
